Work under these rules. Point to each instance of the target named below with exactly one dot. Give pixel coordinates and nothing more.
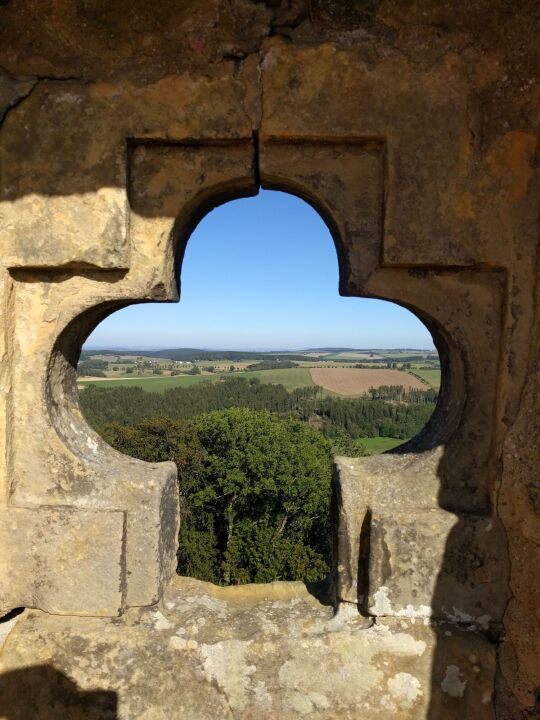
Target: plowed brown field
(359, 355)
(352, 381)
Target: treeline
(370, 361)
(194, 354)
(398, 393)
(272, 365)
(129, 405)
(92, 367)
(230, 355)
(362, 417)
(334, 416)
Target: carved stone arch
(412, 526)
(344, 181)
(448, 100)
(448, 464)
(171, 186)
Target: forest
(254, 492)
(389, 411)
(254, 464)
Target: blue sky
(262, 273)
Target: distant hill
(194, 354)
(380, 351)
(331, 350)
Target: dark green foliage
(95, 363)
(254, 485)
(397, 393)
(358, 417)
(133, 404)
(254, 492)
(272, 365)
(373, 418)
(92, 368)
(90, 372)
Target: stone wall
(412, 128)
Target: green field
(291, 378)
(375, 445)
(433, 377)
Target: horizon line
(132, 348)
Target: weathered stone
(61, 559)
(258, 651)
(12, 92)
(436, 565)
(397, 555)
(352, 523)
(345, 183)
(413, 129)
(5, 367)
(72, 213)
(173, 186)
(418, 122)
(75, 467)
(519, 508)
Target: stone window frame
(170, 186)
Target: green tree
(254, 492)
(267, 482)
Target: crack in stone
(37, 80)
(18, 101)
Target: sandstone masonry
(412, 128)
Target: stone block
(350, 516)
(345, 183)
(174, 181)
(63, 159)
(87, 231)
(172, 187)
(395, 559)
(254, 651)
(62, 560)
(434, 564)
(152, 526)
(5, 286)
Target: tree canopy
(254, 465)
(254, 492)
(392, 411)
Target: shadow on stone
(321, 590)
(11, 615)
(474, 556)
(41, 692)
